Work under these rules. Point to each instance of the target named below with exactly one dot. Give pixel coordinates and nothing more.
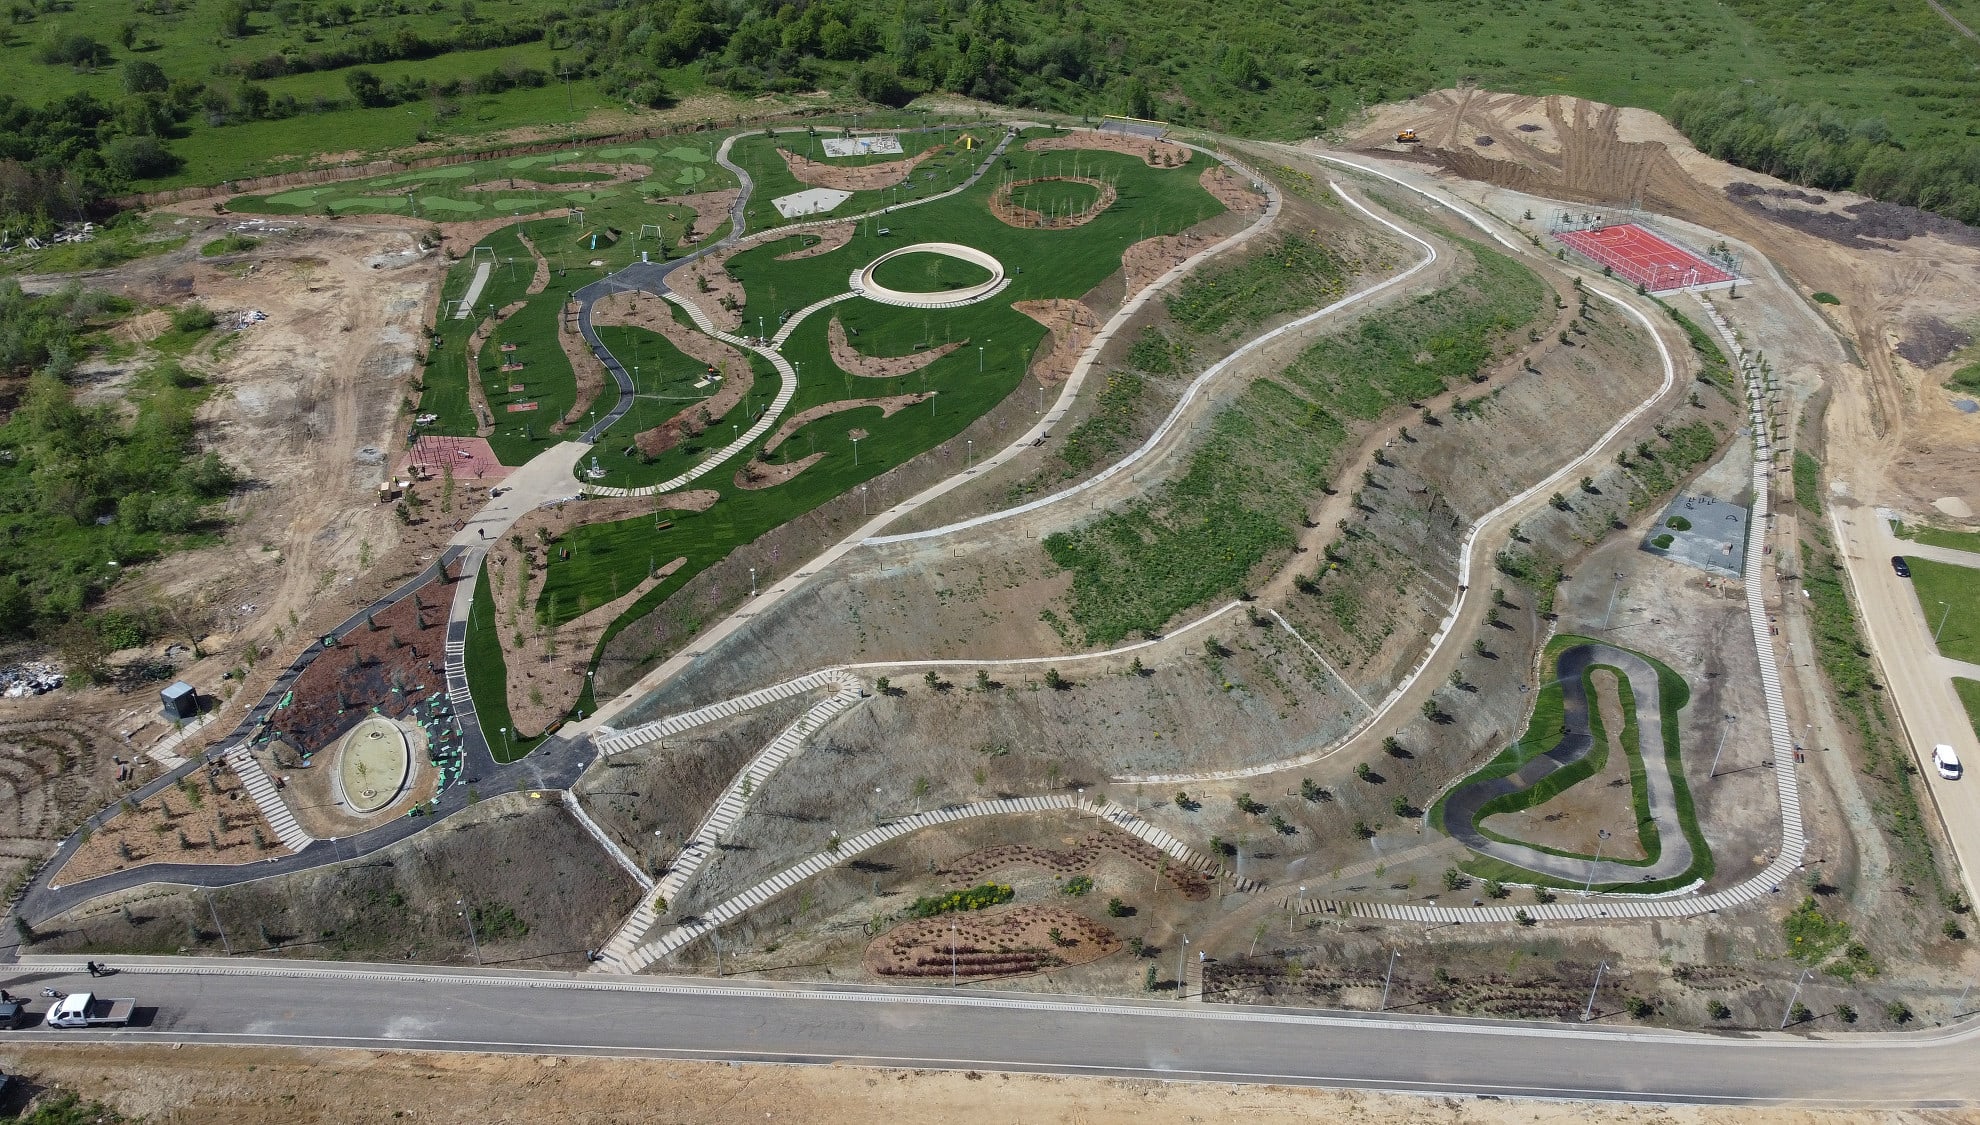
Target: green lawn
(1938, 537)
(928, 273)
(1950, 598)
(1969, 694)
(488, 678)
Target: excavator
(1407, 137)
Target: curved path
(1577, 742)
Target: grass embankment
(1808, 482)
(1950, 598)
(1845, 660)
(488, 679)
(1969, 696)
(1243, 494)
(1938, 537)
(1543, 731)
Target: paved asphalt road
(1900, 635)
(390, 1008)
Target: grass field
(488, 679)
(928, 273)
(1949, 596)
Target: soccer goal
(477, 253)
(653, 229)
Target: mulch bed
(971, 868)
(989, 944)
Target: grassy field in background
(1939, 537)
(1969, 695)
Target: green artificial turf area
(1950, 598)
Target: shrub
(1845, 1013)
(1721, 1012)
(1663, 542)
(1825, 298)
(1639, 1008)
(193, 317)
(1898, 1012)
(980, 897)
(1078, 885)
(1118, 909)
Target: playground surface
(470, 458)
(1643, 258)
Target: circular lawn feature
(929, 273)
(374, 762)
(1052, 202)
(961, 275)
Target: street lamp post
(952, 953)
(1601, 837)
(467, 915)
(1388, 977)
(505, 741)
(1588, 1010)
(752, 581)
(1182, 954)
(1298, 905)
(1794, 996)
(862, 491)
(1942, 622)
(1723, 731)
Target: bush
(1825, 298)
(1898, 1012)
(193, 317)
(1639, 1008)
(1845, 1013)
(980, 897)
(1678, 523)
(1663, 542)
(1077, 886)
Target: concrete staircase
(267, 798)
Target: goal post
(475, 255)
(652, 229)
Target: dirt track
(174, 1086)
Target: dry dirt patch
(889, 407)
(998, 943)
(756, 475)
(865, 177)
(585, 365)
(855, 362)
(711, 210)
(1082, 855)
(830, 238)
(208, 818)
(1010, 212)
(707, 284)
(1158, 154)
(170, 1084)
(1231, 190)
(1070, 324)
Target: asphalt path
(1576, 743)
(385, 1007)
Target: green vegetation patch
(1969, 696)
(1825, 298)
(980, 897)
(1950, 598)
(229, 244)
(1808, 482)
(1938, 536)
(1244, 492)
(90, 490)
(1292, 275)
(928, 273)
(488, 679)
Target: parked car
(1947, 761)
(1898, 564)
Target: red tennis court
(1639, 256)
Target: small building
(180, 700)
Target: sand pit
(1158, 154)
(374, 763)
(829, 239)
(889, 407)
(711, 210)
(1071, 325)
(866, 177)
(855, 362)
(757, 475)
(1007, 204)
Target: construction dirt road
(175, 1086)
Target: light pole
(1601, 836)
(855, 442)
(1588, 1010)
(752, 581)
(1794, 996)
(1723, 731)
(1942, 623)
(979, 359)
(467, 915)
(969, 452)
(1182, 953)
(1298, 905)
(505, 741)
(862, 489)
(228, 945)
(952, 953)
(1388, 977)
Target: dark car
(1898, 564)
(13, 1014)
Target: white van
(1947, 760)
